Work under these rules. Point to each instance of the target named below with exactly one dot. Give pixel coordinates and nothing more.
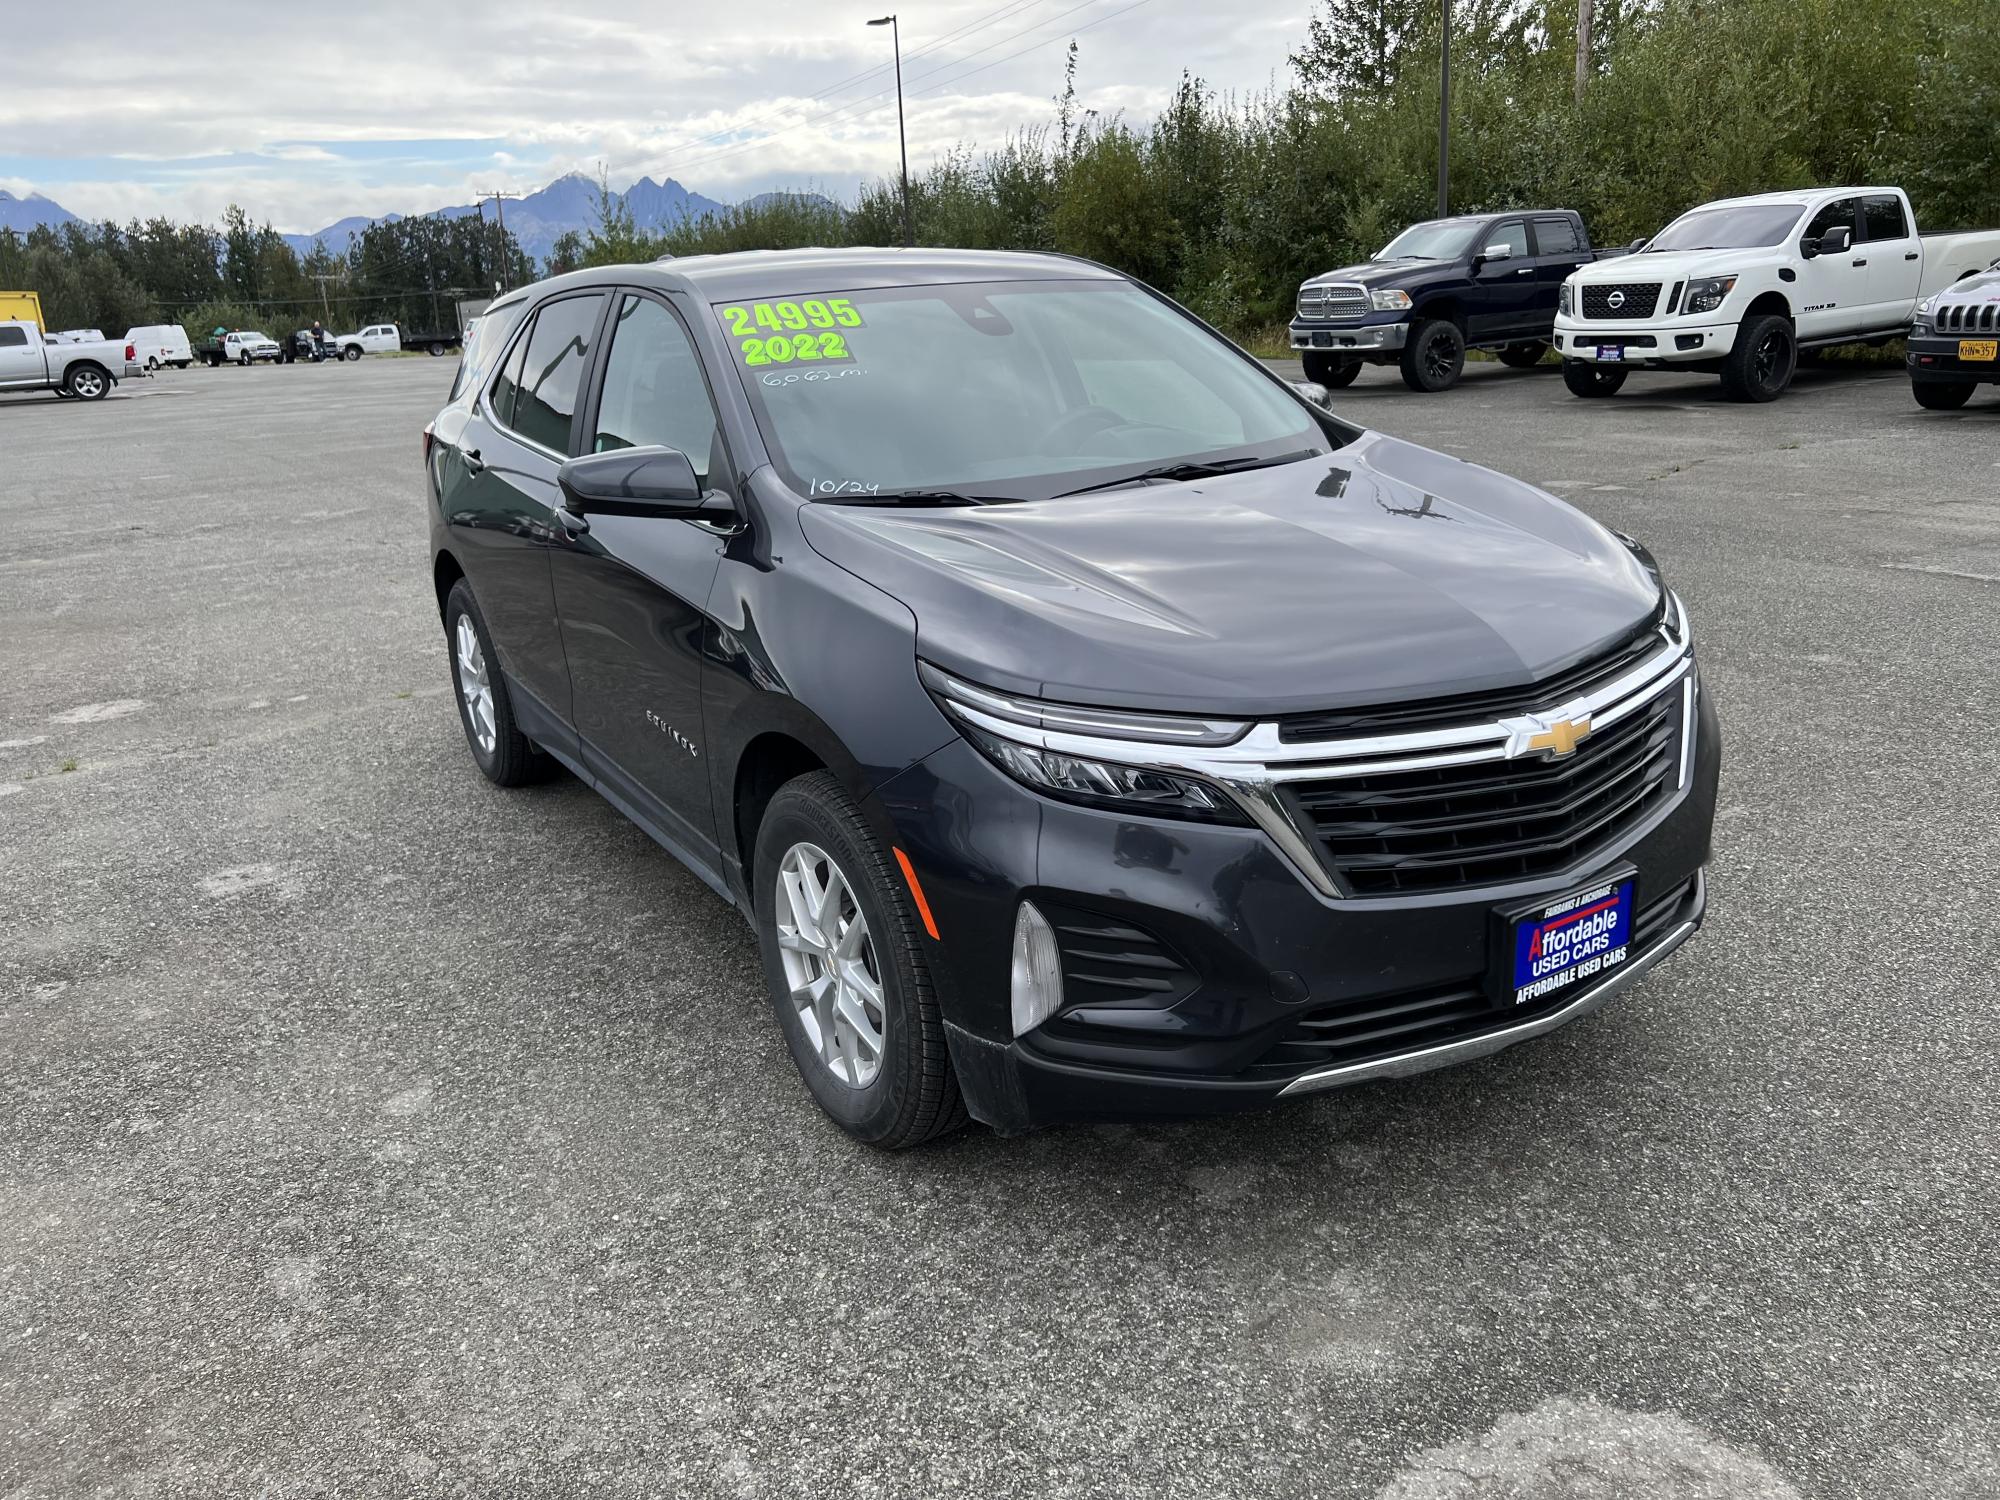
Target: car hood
(1981, 288)
(1381, 272)
(1674, 265)
(1381, 573)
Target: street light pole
(1444, 113)
(902, 137)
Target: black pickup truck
(1482, 281)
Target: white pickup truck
(31, 362)
(1738, 287)
(376, 338)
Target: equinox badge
(1550, 735)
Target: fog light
(1688, 340)
(1036, 982)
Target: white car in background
(1738, 287)
(161, 344)
(248, 348)
(376, 338)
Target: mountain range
(536, 220)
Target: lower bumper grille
(1448, 827)
(1332, 1035)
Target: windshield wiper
(1187, 469)
(921, 497)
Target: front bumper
(1654, 345)
(1934, 358)
(1349, 338)
(1235, 965)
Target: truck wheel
(152, 362)
(1942, 395)
(1523, 356)
(1586, 379)
(434, 350)
(1434, 357)
(88, 383)
(1330, 370)
(1762, 362)
(243, 360)
(352, 351)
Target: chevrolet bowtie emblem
(1548, 735)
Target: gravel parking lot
(369, 1130)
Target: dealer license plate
(1610, 351)
(1981, 349)
(1570, 942)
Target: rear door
(1895, 260)
(1558, 251)
(20, 357)
(631, 590)
(1833, 289)
(1504, 290)
(499, 495)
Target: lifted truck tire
(1434, 357)
(1942, 395)
(1763, 359)
(1586, 379)
(1330, 370)
(1523, 356)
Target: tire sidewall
(1417, 367)
(1330, 370)
(1592, 381)
(1754, 333)
(870, 1113)
(100, 387)
(461, 602)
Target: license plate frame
(1604, 911)
(1978, 351)
(1611, 353)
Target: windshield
(1728, 228)
(1008, 390)
(1437, 239)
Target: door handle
(1525, 271)
(473, 462)
(1861, 263)
(1910, 255)
(572, 523)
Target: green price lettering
(784, 348)
(746, 318)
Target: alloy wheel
(830, 963)
(1764, 361)
(474, 686)
(88, 384)
(1437, 358)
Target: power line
(1078, 31)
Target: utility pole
(1584, 8)
(902, 137)
(326, 312)
(500, 198)
(1444, 113)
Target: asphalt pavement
(367, 1130)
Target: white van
(161, 344)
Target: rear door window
(1555, 237)
(13, 338)
(1882, 217)
(546, 383)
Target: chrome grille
(1627, 299)
(1334, 301)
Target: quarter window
(654, 394)
(1555, 236)
(1882, 215)
(549, 374)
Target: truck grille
(1970, 317)
(1442, 828)
(1338, 302)
(1633, 299)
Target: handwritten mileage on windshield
(779, 333)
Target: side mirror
(648, 481)
(1498, 250)
(1833, 242)
(1636, 246)
(1314, 392)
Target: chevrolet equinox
(1091, 725)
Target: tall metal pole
(1444, 113)
(902, 137)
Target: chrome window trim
(1255, 767)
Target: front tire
(1942, 395)
(87, 383)
(503, 753)
(1761, 363)
(1434, 357)
(1330, 370)
(1586, 379)
(435, 350)
(844, 959)
(243, 360)
(352, 351)
(1523, 356)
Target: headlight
(1921, 322)
(1566, 301)
(1010, 731)
(1389, 301)
(1706, 293)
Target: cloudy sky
(305, 114)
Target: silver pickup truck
(31, 362)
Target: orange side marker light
(917, 890)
